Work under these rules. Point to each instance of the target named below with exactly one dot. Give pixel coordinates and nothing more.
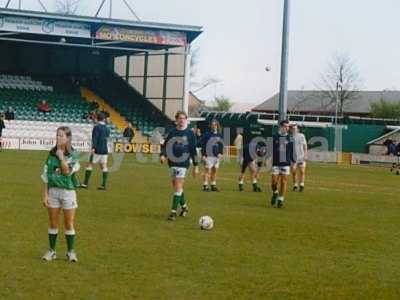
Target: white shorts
(300, 164)
(99, 159)
(211, 162)
(198, 151)
(61, 198)
(281, 171)
(177, 172)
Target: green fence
(355, 134)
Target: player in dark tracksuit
(282, 159)
(253, 157)
(179, 149)
(396, 166)
(212, 151)
(2, 126)
(99, 155)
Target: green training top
(53, 176)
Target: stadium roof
(192, 31)
(318, 102)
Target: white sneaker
(71, 256)
(49, 255)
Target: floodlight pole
(339, 85)
(111, 7)
(283, 94)
(337, 104)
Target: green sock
(70, 238)
(182, 200)
(52, 241)
(105, 176)
(175, 202)
(88, 173)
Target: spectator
(2, 126)
(94, 105)
(9, 114)
(391, 147)
(129, 133)
(44, 107)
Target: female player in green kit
(59, 192)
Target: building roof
(195, 105)
(192, 31)
(319, 102)
(241, 107)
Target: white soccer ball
(206, 223)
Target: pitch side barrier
(317, 154)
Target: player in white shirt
(300, 154)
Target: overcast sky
(241, 37)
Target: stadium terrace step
(15, 82)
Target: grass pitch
(338, 240)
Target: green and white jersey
(53, 176)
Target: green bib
(55, 177)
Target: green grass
(338, 240)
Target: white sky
(241, 37)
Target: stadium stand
(23, 94)
(130, 103)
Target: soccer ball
(206, 223)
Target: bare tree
(67, 7)
(199, 85)
(342, 72)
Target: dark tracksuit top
(2, 126)
(254, 151)
(129, 133)
(216, 141)
(100, 135)
(199, 139)
(179, 147)
(282, 150)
